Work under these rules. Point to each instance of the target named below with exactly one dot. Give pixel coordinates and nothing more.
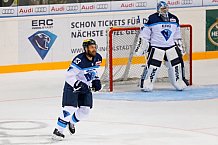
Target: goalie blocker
(174, 63)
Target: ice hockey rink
(30, 103)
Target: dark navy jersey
(83, 69)
(159, 32)
(156, 18)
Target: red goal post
(125, 61)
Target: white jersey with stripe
(161, 33)
(83, 69)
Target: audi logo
(8, 11)
(72, 8)
(40, 9)
(187, 2)
(102, 6)
(141, 4)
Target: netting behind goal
(122, 67)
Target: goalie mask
(162, 9)
(90, 47)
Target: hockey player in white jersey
(81, 77)
(161, 38)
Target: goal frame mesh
(110, 45)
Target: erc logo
(42, 41)
(166, 33)
(213, 33)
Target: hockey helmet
(88, 42)
(162, 8)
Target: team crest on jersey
(172, 20)
(166, 33)
(90, 74)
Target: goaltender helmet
(88, 42)
(162, 8)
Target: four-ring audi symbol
(141, 4)
(72, 8)
(187, 2)
(8, 11)
(102, 6)
(40, 9)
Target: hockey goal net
(123, 67)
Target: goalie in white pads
(161, 38)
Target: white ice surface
(30, 104)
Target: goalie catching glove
(142, 46)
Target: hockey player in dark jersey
(161, 38)
(81, 78)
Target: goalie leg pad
(182, 65)
(175, 70)
(143, 77)
(153, 64)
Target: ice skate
(71, 127)
(57, 135)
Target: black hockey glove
(96, 85)
(79, 86)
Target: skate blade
(56, 138)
